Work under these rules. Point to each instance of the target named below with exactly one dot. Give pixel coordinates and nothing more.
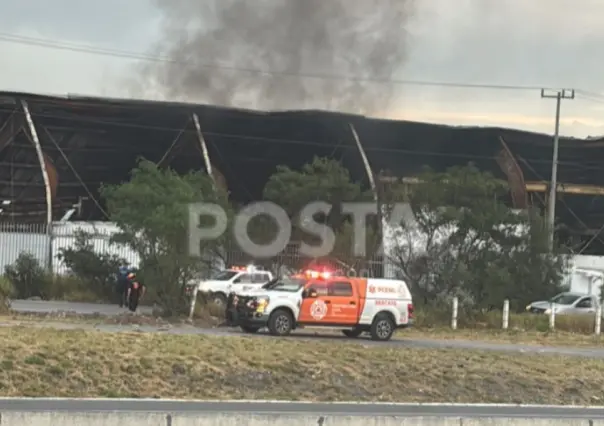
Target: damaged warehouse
(79, 143)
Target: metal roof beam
(10, 129)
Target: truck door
(314, 310)
(584, 306)
(344, 303)
(243, 282)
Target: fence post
(552, 317)
(454, 314)
(506, 314)
(193, 303)
(598, 329)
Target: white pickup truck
(567, 303)
(356, 306)
(234, 279)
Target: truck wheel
(219, 299)
(280, 323)
(249, 329)
(355, 332)
(382, 328)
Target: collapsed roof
(88, 141)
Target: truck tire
(219, 299)
(382, 328)
(280, 323)
(354, 333)
(249, 329)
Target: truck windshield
(564, 299)
(285, 284)
(224, 275)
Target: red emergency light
(324, 275)
(248, 268)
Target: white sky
(554, 43)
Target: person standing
(122, 285)
(136, 291)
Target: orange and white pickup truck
(319, 300)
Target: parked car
(566, 303)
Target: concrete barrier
(211, 419)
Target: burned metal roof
(98, 140)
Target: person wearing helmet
(135, 292)
(122, 285)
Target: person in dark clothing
(122, 286)
(136, 291)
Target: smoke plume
(210, 44)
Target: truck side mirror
(310, 294)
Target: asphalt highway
(39, 306)
(25, 306)
(299, 408)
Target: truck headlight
(528, 307)
(261, 304)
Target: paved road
(328, 409)
(36, 306)
(108, 310)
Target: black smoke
(206, 39)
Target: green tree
(325, 180)
(460, 239)
(321, 180)
(152, 211)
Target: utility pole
(558, 95)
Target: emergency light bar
(248, 268)
(318, 274)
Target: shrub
(71, 288)
(7, 291)
(28, 277)
(95, 271)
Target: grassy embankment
(43, 362)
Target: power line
(51, 44)
(591, 98)
(588, 93)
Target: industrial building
(77, 143)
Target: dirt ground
(561, 337)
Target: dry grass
(581, 324)
(526, 328)
(36, 362)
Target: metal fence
(290, 259)
(23, 238)
(46, 247)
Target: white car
(353, 305)
(233, 280)
(566, 303)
